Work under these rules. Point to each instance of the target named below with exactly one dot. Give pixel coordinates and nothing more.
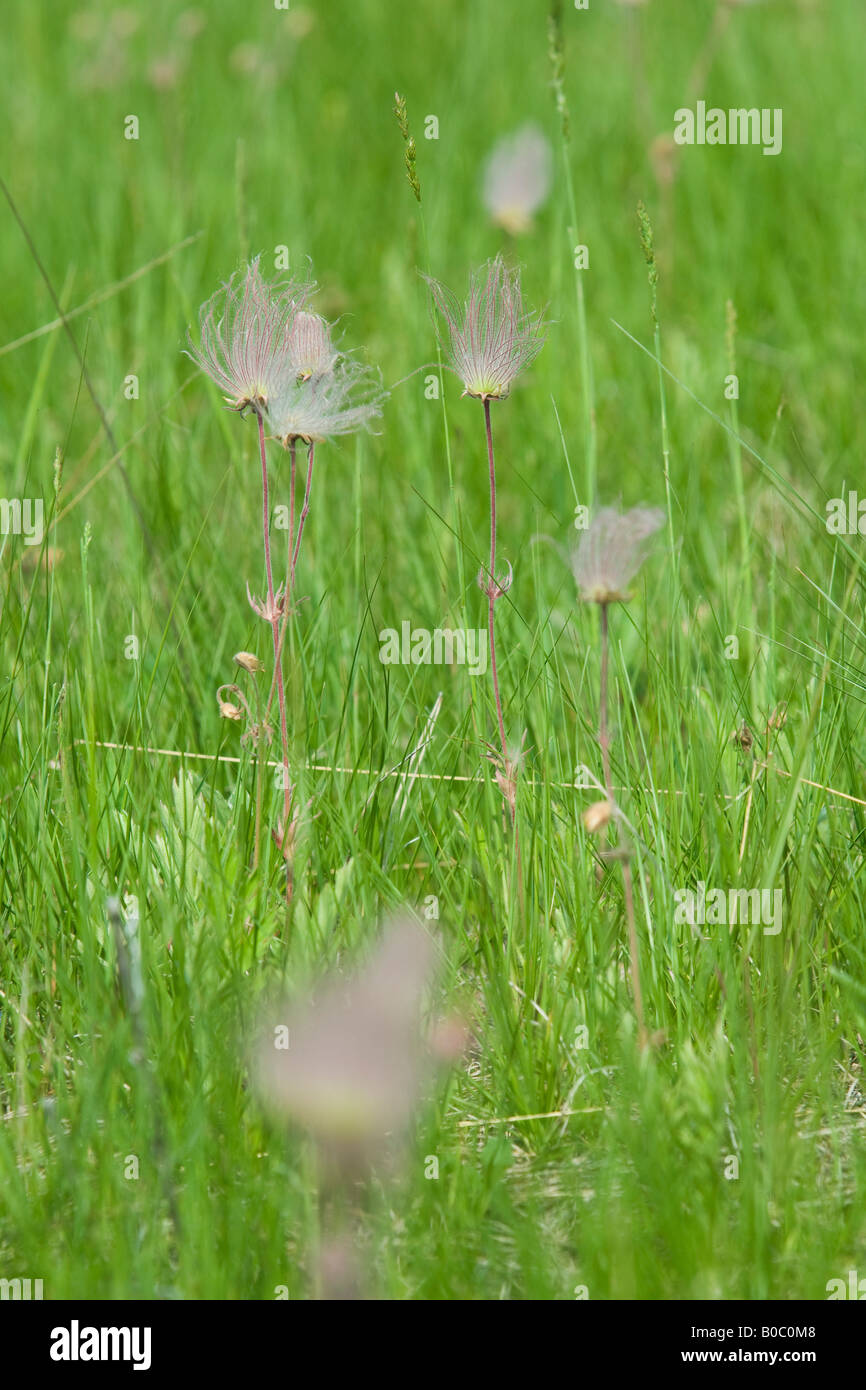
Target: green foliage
(278, 129)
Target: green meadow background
(260, 129)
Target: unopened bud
(596, 816)
(249, 662)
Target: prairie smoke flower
(608, 556)
(611, 551)
(315, 408)
(311, 351)
(517, 178)
(249, 662)
(489, 338)
(347, 1064)
(246, 336)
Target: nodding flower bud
(596, 816)
(249, 662)
(230, 711)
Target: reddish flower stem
(293, 552)
(304, 513)
(604, 743)
(275, 625)
(603, 735)
(509, 772)
(492, 592)
(293, 463)
(289, 572)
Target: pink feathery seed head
(245, 331)
(315, 408)
(311, 350)
(611, 551)
(490, 337)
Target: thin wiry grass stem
(666, 441)
(586, 372)
(604, 744)
(278, 669)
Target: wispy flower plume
(314, 408)
(611, 551)
(246, 336)
(490, 337)
(517, 178)
(311, 351)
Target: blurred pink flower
(347, 1063)
(611, 551)
(517, 178)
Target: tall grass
(726, 1162)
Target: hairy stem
(492, 590)
(509, 772)
(275, 631)
(290, 574)
(304, 513)
(604, 744)
(260, 777)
